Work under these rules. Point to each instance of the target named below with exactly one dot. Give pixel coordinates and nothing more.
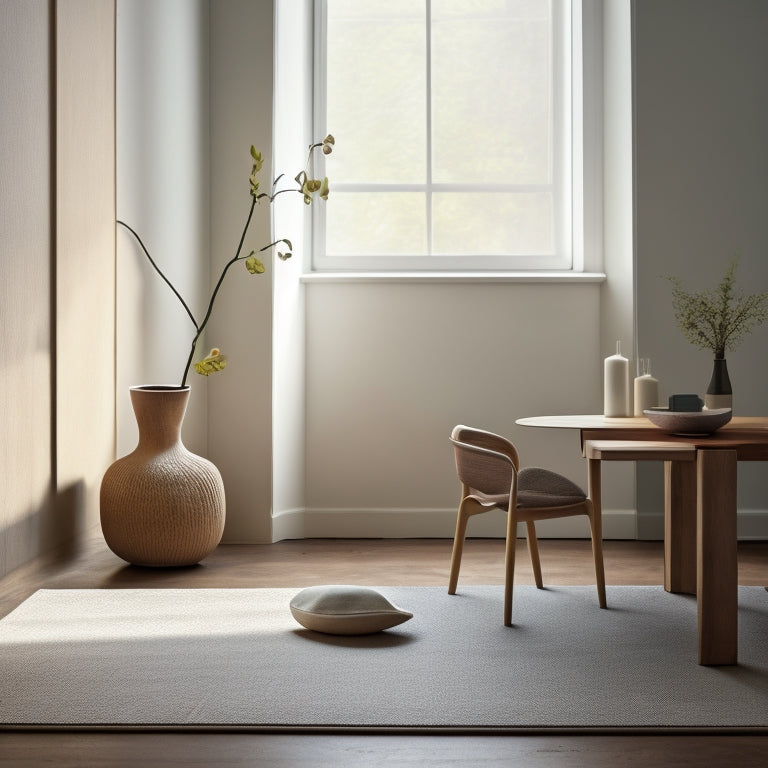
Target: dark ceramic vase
(719, 393)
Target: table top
(598, 421)
(746, 434)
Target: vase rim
(159, 388)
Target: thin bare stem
(160, 271)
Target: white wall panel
(56, 270)
(85, 254)
(25, 274)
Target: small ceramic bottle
(646, 388)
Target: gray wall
(701, 170)
(163, 168)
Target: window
(454, 131)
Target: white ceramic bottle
(616, 384)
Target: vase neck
(159, 415)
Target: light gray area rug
(236, 658)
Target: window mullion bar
(350, 186)
(428, 200)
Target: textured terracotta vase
(162, 505)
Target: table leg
(680, 527)
(717, 568)
(594, 484)
(594, 491)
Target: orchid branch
(307, 186)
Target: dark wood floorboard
(370, 562)
(225, 751)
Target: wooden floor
(377, 563)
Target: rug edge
(416, 730)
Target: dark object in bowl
(685, 403)
(687, 422)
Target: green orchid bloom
(253, 265)
(306, 179)
(308, 186)
(212, 364)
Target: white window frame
(579, 160)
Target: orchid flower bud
(258, 159)
(258, 162)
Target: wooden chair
(489, 471)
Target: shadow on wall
(64, 521)
(54, 528)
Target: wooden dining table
(700, 509)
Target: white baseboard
(751, 524)
(432, 524)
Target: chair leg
(458, 548)
(533, 550)
(509, 567)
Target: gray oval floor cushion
(342, 609)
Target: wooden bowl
(688, 422)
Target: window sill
(453, 277)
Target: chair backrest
(485, 462)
